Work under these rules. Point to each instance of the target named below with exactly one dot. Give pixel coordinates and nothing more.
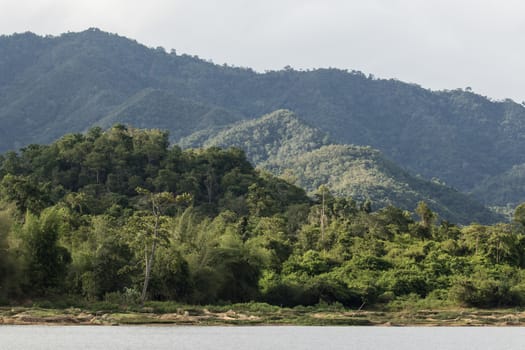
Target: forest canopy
(121, 214)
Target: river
(259, 337)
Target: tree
(149, 227)
(111, 267)
(259, 200)
(323, 218)
(367, 206)
(519, 214)
(6, 267)
(501, 244)
(427, 217)
(171, 278)
(45, 260)
(25, 192)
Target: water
(274, 338)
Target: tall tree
(519, 214)
(150, 227)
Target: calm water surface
(289, 338)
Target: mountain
(503, 189)
(56, 85)
(50, 86)
(284, 145)
(267, 141)
(165, 110)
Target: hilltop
(284, 145)
(50, 86)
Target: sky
(438, 44)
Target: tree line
(120, 214)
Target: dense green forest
(50, 86)
(287, 147)
(101, 215)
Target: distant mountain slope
(284, 145)
(79, 80)
(273, 138)
(163, 109)
(53, 85)
(503, 189)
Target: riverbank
(257, 314)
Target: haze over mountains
(50, 86)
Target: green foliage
(491, 292)
(109, 270)
(286, 146)
(75, 223)
(45, 261)
(469, 141)
(503, 189)
(425, 214)
(171, 277)
(123, 213)
(26, 193)
(8, 271)
(519, 214)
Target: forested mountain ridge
(53, 85)
(502, 189)
(78, 80)
(167, 111)
(284, 145)
(267, 140)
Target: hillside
(112, 221)
(284, 145)
(165, 110)
(53, 85)
(503, 189)
(270, 139)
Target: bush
(485, 293)
(407, 281)
(129, 296)
(170, 278)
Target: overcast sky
(439, 44)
